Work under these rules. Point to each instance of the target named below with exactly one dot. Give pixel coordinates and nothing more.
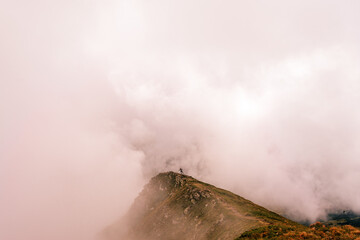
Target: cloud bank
(95, 98)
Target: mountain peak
(171, 178)
(175, 183)
(178, 206)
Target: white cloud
(259, 97)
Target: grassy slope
(315, 231)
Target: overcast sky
(96, 97)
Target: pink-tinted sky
(259, 97)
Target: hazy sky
(259, 97)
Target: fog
(96, 97)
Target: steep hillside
(176, 206)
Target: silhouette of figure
(181, 171)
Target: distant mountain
(177, 206)
(342, 218)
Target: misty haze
(99, 99)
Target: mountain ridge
(173, 205)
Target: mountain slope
(176, 206)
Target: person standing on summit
(181, 171)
